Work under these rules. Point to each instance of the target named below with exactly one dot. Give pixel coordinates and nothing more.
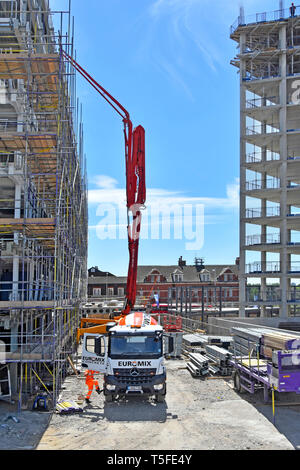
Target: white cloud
(105, 182)
(188, 22)
(156, 197)
(176, 26)
(168, 215)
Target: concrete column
(283, 174)
(263, 255)
(243, 277)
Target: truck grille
(134, 376)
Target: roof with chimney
(190, 273)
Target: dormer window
(204, 276)
(177, 276)
(154, 277)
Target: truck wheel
(160, 398)
(237, 382)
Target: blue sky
(168, 63)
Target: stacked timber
(263, 341)
(274, 341)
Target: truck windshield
(131, 346)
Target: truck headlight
(110, 387)
(158, 387)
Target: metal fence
(275, 15)
(268, 267)
(259, 239)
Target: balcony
(271, 294)
(270, 267)
(262, 102)
(258, 212)
(269, 183)
(260, 129)
(275, 15)
(271, 239)
(257, 157)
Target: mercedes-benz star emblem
(134, 372)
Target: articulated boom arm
(135, 180)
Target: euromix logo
(2, 353)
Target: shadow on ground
(21, 431)
(133, 410)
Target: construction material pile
(278, 341)
(208, 354)
(246, 340)
(198, 365)
(68, 407)
(219, 360)
(192, 343)
(197, 342)
(262, 341)
(213, 354)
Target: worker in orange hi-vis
(91, 382)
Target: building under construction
(43, 207)
(269, 66)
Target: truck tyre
(237, 382)
(160, 398)
(109, 398)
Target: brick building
(208, 281)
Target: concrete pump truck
(129, 350)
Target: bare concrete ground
(197, 414)
(24, 434)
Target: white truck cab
(131, 357)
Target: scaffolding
(43, 197)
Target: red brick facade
(211, 281)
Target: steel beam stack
(192, 343)
(198, 365)
(219, 360)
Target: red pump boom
(135, 180)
